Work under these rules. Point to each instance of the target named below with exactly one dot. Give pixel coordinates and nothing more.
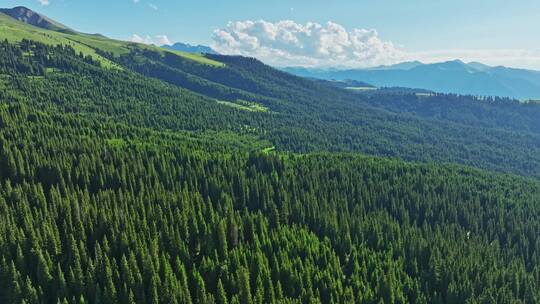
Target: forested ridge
(302, 116)
(121, 188)
(483, 112)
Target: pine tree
(244, 286)
(200, 288)
(221, 294)
(222, 240)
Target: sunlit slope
(172, 91)
(15, 31)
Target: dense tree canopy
(87, 216)
(119, 188)
(302, 116)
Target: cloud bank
(312, 44)
(287, 43)
(43, 2)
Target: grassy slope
(15, 31)
(244, 105)
(196, 57)
(385, 133)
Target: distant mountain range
(446, 77)
(188, 48)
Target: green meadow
(244, 105)
(15, 31)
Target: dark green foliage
(117, 188)
(312, 116)
(178, 222)
(489, 112)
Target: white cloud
(286, 43)
(162, 39)
(138, 39)
(44, 2)
(158, 40)
(136, 1)
(153, 6)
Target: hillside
(134, 174)
(28, 16)
(122, 214)
(300, 115)
(446, 77)
(320, 118)
(15, 30)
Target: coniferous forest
(163, 180)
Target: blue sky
(497, 31)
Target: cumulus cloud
(162, 40)
(138, 39)
(44, 2)
(158, 40)
(153, 6)
(286, 43)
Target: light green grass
(244, 105)
(115, 47)
(15, 31)
(269, 149)
(361, 88)
(424, 94)
(197, 57)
